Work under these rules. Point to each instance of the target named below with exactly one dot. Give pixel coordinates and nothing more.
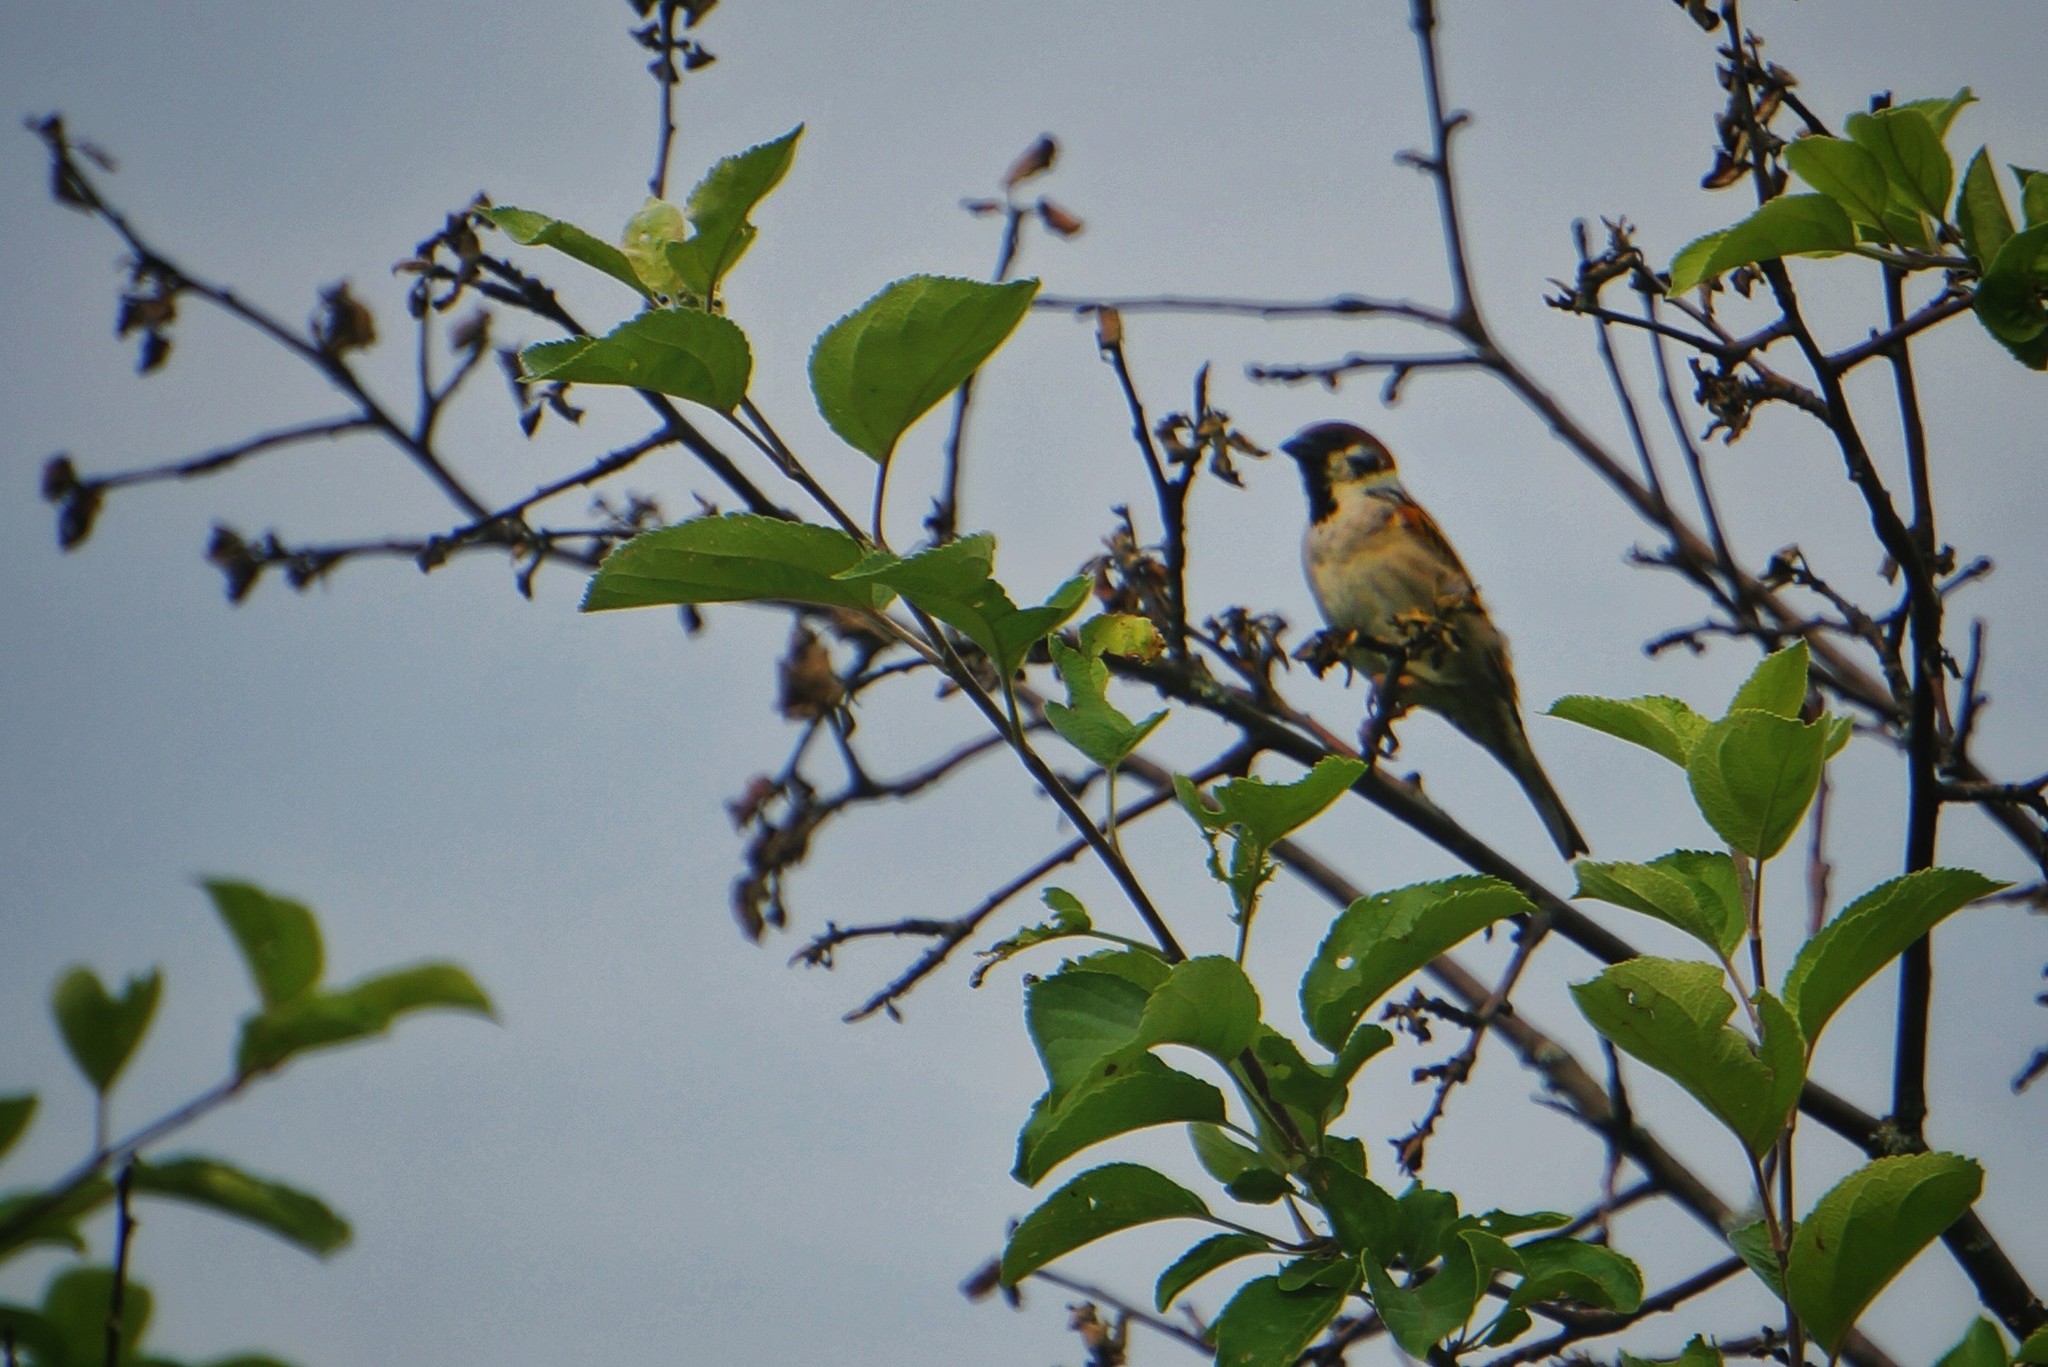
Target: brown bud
(1035, 159)
(1109, 328)
(1058, 219)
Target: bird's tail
(1509, 742)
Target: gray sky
(670, 1150)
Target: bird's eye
(1362, 462)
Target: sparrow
(1384, 575)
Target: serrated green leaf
(1753, 774)
(1076, 1018)
(1845, 172)
(1752, 1244)
(1123, 1094)
(1790, 225)
(718, 211)
(295, 1216)
(1264, 1326)
(1777, 685)
(1694, 890)
(739, 557)
(1122, 633)
(1554, 1268)
(1365, 1043)
(1664, 725)
(1981, 211)
(1866, 1229)
(279, 938)
(1982, 1346)
(1206, 1003)
(2009, 295)
(1910, 151)
(645, 242)
(1269, 812)
(1689, 268)
(1380, 940)
(883, 366)
(1143, 967)
(1698, 1353)
(1672, 1015)
(1069, 919)
(1422, 1316)
(101, 1031)
(1088, 721)
(530, 229)
(76, 1305)
(318, 1020)
(1362, 1216)
(683, 352)
(15, 1114)
(1199, 1261)
(1098, 1203)
(1941, 110)
(1868, 934)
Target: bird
(1388, 581)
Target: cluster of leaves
(280, 944)
(1884, 191)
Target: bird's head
(1334, 456)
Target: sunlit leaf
(531, 229)
(683, 352)
(739, 557)
(1664, 725)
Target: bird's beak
(1293, 446)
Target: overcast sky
(669, 1149)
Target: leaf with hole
(682, 352)
(1380, 940)
(99, 1030)
(1672, 1015)
(883, 366)
(1098, 1203)
(1866, 1229)
(1664, 725)
(1868, 934)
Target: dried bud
(156, 349)
(983, 1281)
(1109, 328)
(472, 333)
(982, 208)
(1035, 160)
(1058, 219)
(344, 324)
(810, 687)
(60, 479)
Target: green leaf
(1380, 940)
(1422, 1316)
(1554, 1268)
(1207, 1003)
(1753, 775)
(1363, 1217)
(1122, 633)
(1982, 1346)
(2009, 295)
(1689, 268)
(15, 1113)
(1657, 723)
(2033, 196)
(883, 366)
(1790, 225)
(1199, 1261)
(1366, 1042)
(1269, 812)
(1698, 1353)
(1316, 1095)
(1849, 174)
(718, 210)
(1981, 211)
(1099, 1202)
(1940, 110)
(29, 1218)
(645, 243)
(1141, 966)
(292, 1215)
(1909, 149)
(1088, 721)
(76, 1304)
(684, 352)
(739, 557)
(951, 582)
(1122, 1094)
(99, 1030)
(530, 229)
(35, 1338)
(317, 1020)
(1223, 1158)
(279, 939)
(1777, 685)
(1691, 889)
(2035, 1349)
(1868, 934)
(1672, 1015)
(1076, 1018)
(1866, 1229)
(1264, 1326)
(1752, 1244)
(1069, 920)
